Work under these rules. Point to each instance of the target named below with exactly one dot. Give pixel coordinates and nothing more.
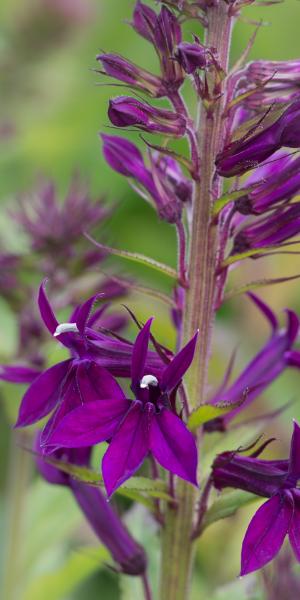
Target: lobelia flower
(252, 149)
(275, 182)
(148, 423)
(124, 70)
(275, 356)
(193, 56)
(276, 81)
(125, 112)
(171, 173)
(125, 158)
(105, 522)
(81, 378)
(269, 230)
(276, 518)
(164, 32)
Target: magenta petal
(292, 326)
(266, 532)
(178, 366)
(127, 449)
(83, 313)
(173, 446)
(46, 311)
(89, 424)
(96, 383)
(18, 373)
(294, 462)
(294, 531)
(139, 354)
(265, 309)
(43, 394)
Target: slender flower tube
(124, 70)
(128, 554)
(274, 357)
(125, 112)
(276, 82)
(276, 518)
(148, 424)
(251, 150)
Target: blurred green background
(52, 109)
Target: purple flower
(255, 147)
(124, 70)
(264, 368)
(276, 518)
(148, 424)
(276, 81)
(169, 171)
(53, 227)
(275, 182)
(270, 230)
(192, 56)
(125, 112)
(108, 527)
(125, 158)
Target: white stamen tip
(148, 380)
(65, 328)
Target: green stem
(177, 549)
(20, 466)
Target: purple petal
(266, 532)
(18, 373)
(139, 354)
(294, 531)
(178, 366)
(83, 313)
(173, 446)
(89, 424)
(70, 399)
(293, 358)
(127, 449)
(292, 326)
(43, 394)
(294, 463)
(265, 309)
(46, 311)
(96, 383)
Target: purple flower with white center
(270, 230)
(125, 111)
(125, 158)
(261, 142)
(276, 81)
(193, 56)
(274, 357)
(131, 74)
(148, 424)
(276, 518)
(108, 527)
(275, 182)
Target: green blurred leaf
(253, 285)
(221, 202)
(227, 505)
(208, 412)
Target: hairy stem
(177, 549)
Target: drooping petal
(294, 531)
(294, 463)
(127, 449)
(266, 532)
(43, 394)
(89, 424)
(178, 366)
(139, 354)
(265, 309)
(46, 311)
(18, 373)
(173, 446)
(96, 383)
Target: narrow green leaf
(252, 285)
(207, 412)
(221, 202)
(137, 258)
(233, 258)
(227, 505)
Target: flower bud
(125, 112)
(122, 69)
(192, 56)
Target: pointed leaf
(252, 285)
(208, 412)
(221, 202)
(227, 504)
(138, 258)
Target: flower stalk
(199, 310)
